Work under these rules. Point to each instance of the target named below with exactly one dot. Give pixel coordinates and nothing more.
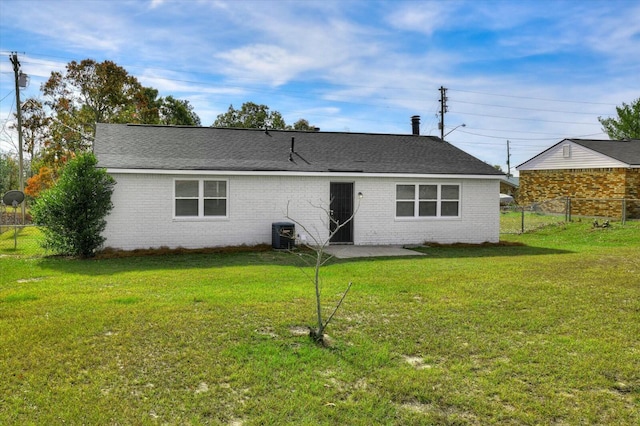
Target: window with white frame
(430, 200)
(200, 198)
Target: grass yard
(546, 332)
(21, 241)
(513, 222)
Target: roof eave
(308, 174)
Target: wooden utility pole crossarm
(443, 110)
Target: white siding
(143, 212)
(579, 158)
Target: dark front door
(341, 212)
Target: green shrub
(73, 210)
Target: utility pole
(21, 81)
(508, 161)
(443, 110)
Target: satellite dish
(13, 198)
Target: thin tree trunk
(320, 330)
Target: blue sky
(532, 72)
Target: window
(434, 200)
(200, 198)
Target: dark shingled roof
(627, 151)
(122, 146)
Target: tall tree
(91, 92)
(147, 106)
(43, 180)
(627, 125)
(250, 116)
(35, 126)
(101, 92)
(88, 93)
(179, 112)
(302, 124)
(8, 173)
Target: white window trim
(416, 201)
(201, 198)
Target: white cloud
(156, 3)
(270, 63)
(358, 66)
(420, 17)
(73, 27)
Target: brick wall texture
(594, 192)
(505, 188)
(143, 212)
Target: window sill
(201, 219)
(425, 218)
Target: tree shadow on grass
(501, 249)
(113, 262)
(463, 252)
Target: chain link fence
(18, 237)
(21, 240)
(517, 219)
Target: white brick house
(197, 187)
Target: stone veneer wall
(594, 192)
(633, 192)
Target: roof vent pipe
(293, 141)
(415, 125)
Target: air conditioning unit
(283, 235)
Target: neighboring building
(196, 187)
(509, 186)
(602, 177)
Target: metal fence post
(522, 220)
(624, 211)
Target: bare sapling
(317, 242)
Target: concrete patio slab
(350, 251)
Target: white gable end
(569, 155)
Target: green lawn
(541, 332)
(514, 222)
(21, 241)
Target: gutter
(301, 174)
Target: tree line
(89, 92)
(63, 124)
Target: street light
(459, 125)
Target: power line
(526, 109)
(526, 119)
(533, 98)
(524, 139)
(305, 93)
(375, 101)
(512, 131)
(6, 96)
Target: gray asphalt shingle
(122, 146)
(627, 151)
